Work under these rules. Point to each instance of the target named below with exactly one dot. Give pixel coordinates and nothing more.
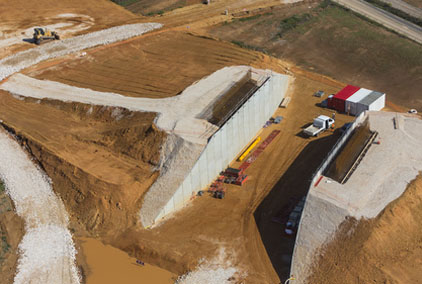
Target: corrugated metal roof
(359, 95)
(372, 97)
(346, 92)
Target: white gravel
(216, 271)
(24, 59)
(47, 251)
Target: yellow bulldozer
(41, 34)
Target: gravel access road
(46, 252)
(384, 18)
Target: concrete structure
(374, 101)
(381, 177)
(226, 143)
(354, 100)
(195, 150)
(338, 101)
(351, 102)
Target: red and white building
(354, 100)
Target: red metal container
(338, 101)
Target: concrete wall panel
(194, 177)
(230, 139)
(202, 169)
(224, 143)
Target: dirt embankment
(386, 249)
(156, 66)
(100, 159)
(11, 233)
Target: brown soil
(386, 249)
(151, 7)
(416, 3)
(107, 265)
(24, 14)
(196, 17)
(21, 14)
(137, 69)
(11, 233)
(339, 44)
(101, 159)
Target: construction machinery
(41, 35)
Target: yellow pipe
(249, 148)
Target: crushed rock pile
(47, 252)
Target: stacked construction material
(234, 176)
(260, 149)
(354, 100)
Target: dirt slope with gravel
(100, 159)
(386, 249)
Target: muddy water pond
(108, 265)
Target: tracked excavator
(41, 35)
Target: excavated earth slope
(101, 159)
(386, 249)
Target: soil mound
(386, 249)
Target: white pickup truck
(321, 123)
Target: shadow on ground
(291, 187)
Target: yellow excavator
(41, 34)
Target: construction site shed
(338, 101)
(374, 101)
(352, 101)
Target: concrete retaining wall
(320, 218)
(229, 140)
(359, 119)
